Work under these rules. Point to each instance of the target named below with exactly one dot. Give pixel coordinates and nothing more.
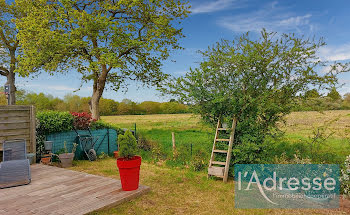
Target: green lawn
(179, 191)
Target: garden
(276, 90)
(182, 177)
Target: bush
(95, 125)
(51, 122)
(128, 145)
(54, 121)
(82, 121)
(144, 144)
(250, 153)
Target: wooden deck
(56, 190)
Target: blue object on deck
(15, 168)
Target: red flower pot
(129, 171)
(116, 154)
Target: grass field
(180, 190)
(298, 128)
(301, 123)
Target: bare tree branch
(3, 71)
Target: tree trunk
(95, 104)
(98, 87)
(11, 82)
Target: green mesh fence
(106, 141)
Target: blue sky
(213, 20)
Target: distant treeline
(310, 101)
(75, 103)
(313, 101)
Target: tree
(41, 101)
(347, 97)
(333, 94)
(108, 107)
(108, 42)
(124, 108)
(256, 81)
(9, 45)
(149, 107)
(173, 107)
(312, 94)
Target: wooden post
(32, 130)
(174, 146)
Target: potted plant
(66, 158)
(128, 163)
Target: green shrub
(144, 144)
(51, 122)
(251, 153)
(95, 125)
(54, 121)
(128, 145)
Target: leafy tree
(149, 107)
(333, 94)
(3, 100)
(40, 101)
(108, 107)
(256, 81)
(73, 103)
(108, 42)
(9, 45)
(312, 94)
(173, 107)
(124, 108)
(347, 97)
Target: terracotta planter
(66, 159)
(129, 171)
(116, 154)
(45, 159)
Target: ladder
(221, 170)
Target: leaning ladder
(220, 171)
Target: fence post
(174, 146)
(135, 132)
(108, 139)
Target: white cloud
(214, 6)
(47, 87)
(335, 53)
(271, 17)
(296, 21)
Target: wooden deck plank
(56, 190)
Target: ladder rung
(222, 140)
(220, 151)
(218, 162)
(224, 129)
